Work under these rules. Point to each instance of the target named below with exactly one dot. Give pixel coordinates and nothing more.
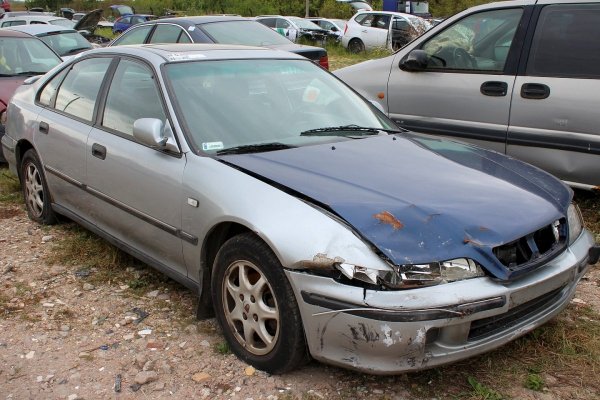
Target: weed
(482, 391)
(10, 188)
(222, 348)
(534, 382)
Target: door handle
(99, 151)
(44, 127)
(494, 88)
(536, 91)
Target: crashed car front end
(391, 331)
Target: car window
(478, 42)
(134, 36)
(23, 56)
(66, 43)
(48, 93)
(247, 33)
(270, 22)
(566, 42)
(13, 23)
(78, 93)
(166, 34)
(138, 19)
(37, 23)
(132, 81)
(400, 24)
(364, 19)
(381, 21)
(125, 20)
(184, 38)
(282, 23)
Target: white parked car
(368, 30)
(294, 28)
(35, 18)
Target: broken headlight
(415, 275)
(575, 222)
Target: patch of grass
(482, 391)
(222, 348)
(534, 382)
(10, 188)
(82, 248)
(339, 57)
(589, 203)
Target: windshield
(68, 43)
(24, 56)
(63, 22)
(249, 33)
(305, 24)
(231, 103)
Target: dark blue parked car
(123, 23)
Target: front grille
(534, 249)
(489, 326)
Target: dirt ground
(66, 335)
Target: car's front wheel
(256, 307)
(35, 189)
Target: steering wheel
(462, 59)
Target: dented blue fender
(419, 199)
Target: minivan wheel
(35, 190)
(356, 46)
(256, 307)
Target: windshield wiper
(75, 50)
(347, 130)
(254, 148)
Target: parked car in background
(368, 30)
(21, 56)
(122, 24)
(296, 210)
(495, 76)
(119, 10)
(5, 5)
(65, 42)
(334, 27)
(34, 18)
(294, 28)
(217, 29)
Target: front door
(137, 188)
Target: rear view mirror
(153, 133)
(416, 60)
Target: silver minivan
(519, 77)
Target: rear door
(465, 90)
(554, 117)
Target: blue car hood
(419, 199)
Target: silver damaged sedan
(308, 224)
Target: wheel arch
(21, 148)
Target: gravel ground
(66, 335)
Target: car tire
(356, 46)
(260, 319)
(35, 190)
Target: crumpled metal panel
(420, 199)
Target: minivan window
(566, 42)
(478, 42)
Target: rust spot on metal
(388, 218)
(468, 240)
(381, 95)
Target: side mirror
(416, 60)
(151, 132)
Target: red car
(21, 56)
(5, 5)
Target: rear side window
(78, 92)
(270, 22)
(134, 36)
(566, 42)
(282, 23)
(13, 23)
(168, 34)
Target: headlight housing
(415, 275)
(575, 221)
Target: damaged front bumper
(387, 332)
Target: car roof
(37, 17)
(12, 33)
(38, 29)
(197, 51)
(201, 19)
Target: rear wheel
(35, 190)
(256, 307)
(356, 46)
